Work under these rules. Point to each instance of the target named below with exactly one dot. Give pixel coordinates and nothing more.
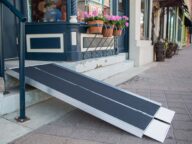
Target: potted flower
(169, 51)
(109, 22)
(95, 22)
(121, 23)
(160, 50)
(175, 48)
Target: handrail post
(22, 117)
(22, 72)
(1, 41)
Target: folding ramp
(125, 110)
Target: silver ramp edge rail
(64, 84)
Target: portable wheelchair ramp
(125, 110)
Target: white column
(140, 51)
(134, 34)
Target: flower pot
(95, 27)
(108, 30)
(117, 32)
(175, 49)
(159, 51)
(169, 51)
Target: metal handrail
(22, 117)
(16, 12)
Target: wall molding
(45, 50)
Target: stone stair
(98, 68)
(103, 73)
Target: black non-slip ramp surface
(127, 111)
(101, 88)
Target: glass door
(123, 40)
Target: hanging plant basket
(108, 30)
(95, 26)
(117, 31)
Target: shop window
(107, 7)
(121, 7)
(46, 10)
(144, 20)
(179, 34)
(172, 24)
(102, 6)
(162, 23)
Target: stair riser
(87, 65)
(10, 103)
(106, 72)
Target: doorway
(123, 41)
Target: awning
(171, 3)
(188, 22)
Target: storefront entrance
(49, 36)
(123, 40)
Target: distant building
(172, 21)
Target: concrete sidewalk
(170, 83)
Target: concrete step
(103, 73)
(10, 102)
(39, 114)
(79, 66)
(92, 64)
(100, 68)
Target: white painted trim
(93, 48)
(44, 50)
(74, 38)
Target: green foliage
(94, 18)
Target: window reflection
(102, 6)
(144, 19)
(142, 36)
(121, 6)
(107, 9)
(55, 10)
(47, 10)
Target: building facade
(54, 38)
(172, 22)
(51, 37)
(141, 48)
